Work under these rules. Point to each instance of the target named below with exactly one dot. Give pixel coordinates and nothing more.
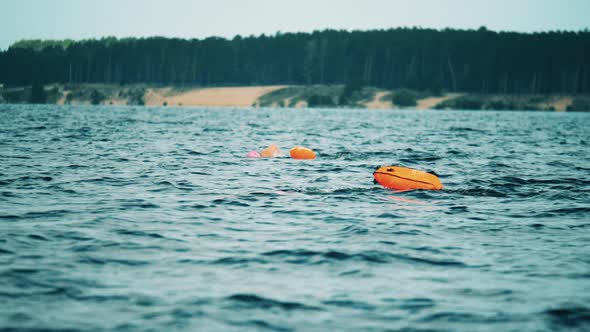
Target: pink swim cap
(253, 154)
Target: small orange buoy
(403, 178)
(300, 152)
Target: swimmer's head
(253, 154)
(271, 152)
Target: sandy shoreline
(225, 96)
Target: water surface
(151, 219)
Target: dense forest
(480, 61)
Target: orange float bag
(300, 152)
(403, 178)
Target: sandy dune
(429, 103)
(378, 103)
(561, 104)
(227, 96)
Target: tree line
(479, 61)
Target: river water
(151, 219)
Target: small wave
(138, 203)
(140, 300)
(337, 191)
(417, 159)
(569, 316)
(512, 180)
(107, 180)
(484, 292)
(574, 182)
(569, 211)
(464, 317)
(35, 128)
(6, 252)
(37, 237)
(349, 304)
(140, 233)
(352, 230)
(499, 165)
(51, 291)
(105, 261)
(224, 201)
(389, 215)
(46, 214)
(578, 212)
(416, 304)
(76, 166)
(480, 192)
(194, 153)
(467, 129)
(192, 207)
(458, 209)
(237, 261)
(431, 261)
(28, 178)
(9, 217)
(255, 301)
(355, 156)
(330, 170)
(18, 157)
(259, 324)
(73, 235)
(200, 173)
(209, 130)
(456, 153)
(372, 256)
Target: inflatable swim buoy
(300, 152)
(403, 178)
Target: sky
(82, 19)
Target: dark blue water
(151, 219)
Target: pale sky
(80, 19)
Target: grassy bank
(518, 102)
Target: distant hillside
(476, 61)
